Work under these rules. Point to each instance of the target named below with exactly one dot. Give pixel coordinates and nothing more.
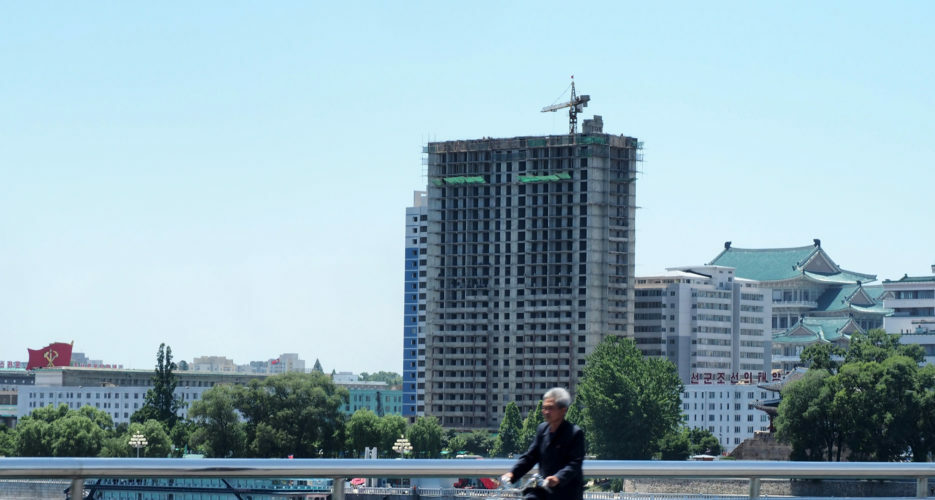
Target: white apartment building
(726, 410)
(716, 329)
(713, 326)
(912, 300)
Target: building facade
(912, 300)
(119, 392)
(377, 397)
(709, 324)
(727, 410)
(806, 284)
(529, 264)
(414, 295)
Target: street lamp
(138, 441)
(402, 446)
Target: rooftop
(783, 264)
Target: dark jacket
(560, 455)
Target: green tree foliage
(508, 436)
(876, 406)
(425, 436)
(675, 445)
(7, 441)
(629, 402)
(477, 442)
(161, 403)
(363, 431)
(703, 442)
(877, 345)
(530, 423)
(293, 414)
(317, 368)
(391, 427)
(391, 378)
(217, 430)
(60, 432)
(822, 356)
(807, 421)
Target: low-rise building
(377, 397)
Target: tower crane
(575, 106)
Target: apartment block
(414, 296)
(529, 264)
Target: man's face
(551, 412)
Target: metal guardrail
(79, 469)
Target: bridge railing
(79, 469)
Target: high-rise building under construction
(530, 247)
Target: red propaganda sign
(50, 356)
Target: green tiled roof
(875, 291)
(818, 330)
(780, 264)
(836, 299)
(769, 264)
(911, 279)
(842, 277)
(841, 299)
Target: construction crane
(575, 106)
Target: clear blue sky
(231, 177)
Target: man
(558, 448)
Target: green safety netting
(545, 178)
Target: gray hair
(561, 396)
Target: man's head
(555, 403)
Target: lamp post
(402, 446)
(138, 441)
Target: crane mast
(575, 105)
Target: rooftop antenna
(575, 106)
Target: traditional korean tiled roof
(781, 264)
(857, 298)
(811, 330)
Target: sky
(230, 178)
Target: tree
(806, 418)
(477, 442)
(391, 427)
(676, 445)
(363, 431)
(76, 435)
(507, 442)
(7, 441)
(532, 421)
(822, 356)
(161, 403)
(875, 406)
(293, 414)
(877, 345)
(425, 436)
(60, 432)
(703, 442)
(392, 379)
(34, 431)
(183, 366)
(217, 430)
(629, 402)
(317, 368)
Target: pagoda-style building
(814, 299)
